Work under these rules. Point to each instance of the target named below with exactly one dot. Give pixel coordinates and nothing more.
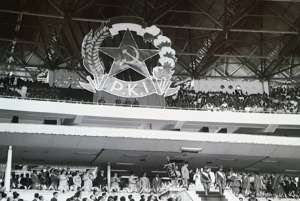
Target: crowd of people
(179, 176)
(93, 196)
(118, 101)
(279, 99)
(58, 179)
(65, 180)
(13, 86)
(242, 183)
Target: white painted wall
(214, 84)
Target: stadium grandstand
(147, 100)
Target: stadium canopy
(227, 38)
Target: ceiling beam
(264, 31)
(52, 16)
(188, 27)
(56, 7)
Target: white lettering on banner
(131, 89)
(116, 86)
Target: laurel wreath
(90, 50)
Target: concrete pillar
(108, 176)
(51, 77)
(8, 170)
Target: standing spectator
(185, 175)
(35, 180)
(221, 180)
(132, 183)
(101, 180)
(115, 180)
(245, 184)
(87, 181)
(54, 179)
(257, 184)
(63, 182)
(23, 182)
(77, 181)
(212, 177)
(144, 184)
(28, 181)
(205, 179)
(197, 180)
(171, 169)
(156, 184)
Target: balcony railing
(143, 106)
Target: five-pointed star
(128, 55)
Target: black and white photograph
(149, 100)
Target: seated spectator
(36, 197)
(55, 195)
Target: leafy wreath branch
(91, 60)
(163, 72)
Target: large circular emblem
(129, 56)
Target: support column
(51, 77)
(108, 176)
(8, 170)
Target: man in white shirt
(185, 173)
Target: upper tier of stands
(279, 100)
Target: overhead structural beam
(215, 21)
(230, 55)
(51, 16)
(241, 56)
(264, 31)
(97, 157)
(56, 7)
(188, 27)
(178, 53)
(292, 1)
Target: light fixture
(159, 171)
(227, 159)
(191, 149)
(212, 167)
(269, 161)
(290, 170)
(125, 164)
(252, 169)
(115, 170)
